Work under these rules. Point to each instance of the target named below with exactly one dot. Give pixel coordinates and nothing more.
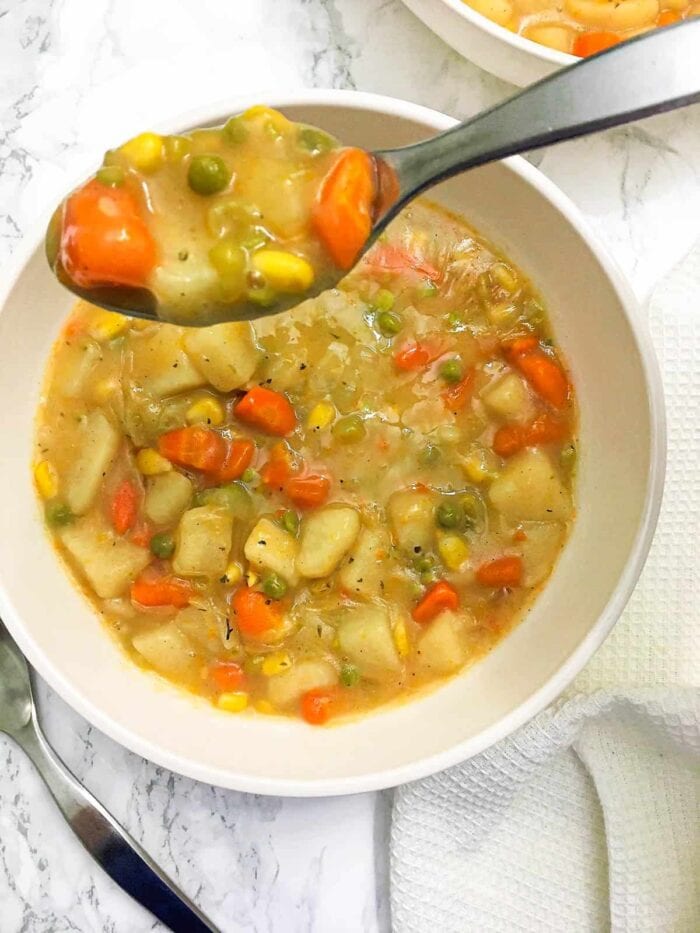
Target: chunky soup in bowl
(331, 509)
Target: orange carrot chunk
(268, 410)
(226, 676)
(278, 468)
(544, 374)
(501, 572)
(308, 490)
(590, 43)
(317, 705)
(239, 456)
(149, 590)
(104, 239)
(440, 596)
(255, 614)
(124, 507)
(668, 18)
(194, 447)
(457, 396)
(342, 214)
(511, 438)
(412, 356)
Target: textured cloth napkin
(588, 818)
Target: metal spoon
(655, 72)
(107, 842)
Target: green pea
(473, 508)
(208, 174)
(448, 515)
(176, 148)
(290, 522)
(428, 290)
(383, 300)
(455, 321)
(349, 675)
(250, 477)
(58, 514)
(451, 370)
(228, 259)
(111, 175)
(429, 576)
(315, 141)
(349, 430)
(389, 323)
(162, 545)
(429, 455)
(235, 131)
(567, 457)
(274, 586)
(264, 296)
(423, 563)
(232, 496)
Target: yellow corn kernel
(265, 707)
(145, 151)
(478, 467)
(206, 410)
(277, 119)
(106, 325)
(232, 702)
(104, 389)
(150, 462)
(320, 416)
(453, 551)
(276, 663)
(401, 638)
(234, 573)
(284, 272)
(46, 479)
(251, 578)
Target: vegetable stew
(332, 509)
(258, 212)
(584, 27)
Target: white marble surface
(74, 77)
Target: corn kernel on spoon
(650, 74)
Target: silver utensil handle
(111, 846)
(653, 73)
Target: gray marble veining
(75, 77)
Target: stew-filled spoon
(251, 218)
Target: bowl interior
(618, 492)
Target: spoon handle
(656, 72)
(108, 843)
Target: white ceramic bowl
(488, 45)
(619, 489)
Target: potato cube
(412, 516)
(364, 635)
(284, 690)
(529, 489)
(509, 399)
(203, 542)
(367, 563)
(270, 547)
(167, 497)
(442, 647)
(99, 443)
(168, 650)
(160, 364)
(225, 354)
(110, 563)
(326, 536)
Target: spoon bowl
(589, 96)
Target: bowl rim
(557, 683)
(514, 39)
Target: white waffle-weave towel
(588, 818)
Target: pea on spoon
(249, 219)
